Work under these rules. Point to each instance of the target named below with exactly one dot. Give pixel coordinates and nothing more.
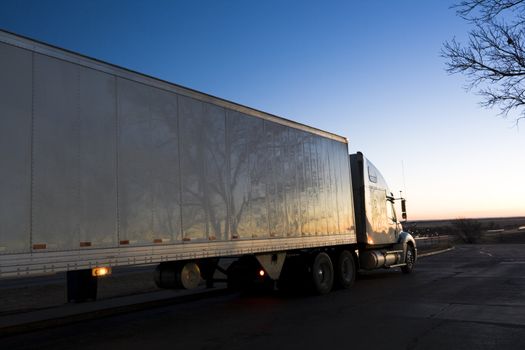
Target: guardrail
(434, 242)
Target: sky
(369, 71)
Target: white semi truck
(101, 167)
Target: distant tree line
(467, 230)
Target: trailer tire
(322, 274)
(177, 275)
(410, 259)
(345, 270)
(189, 275)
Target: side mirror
(404, 209)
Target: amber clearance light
(101, 271)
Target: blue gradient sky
(370, 72)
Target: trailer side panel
(15, 149)
(102, 167)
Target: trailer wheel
(410, 259)
(189, 275)
(177, 275)
(322, 274)
(345, 270)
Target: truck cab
(380, 237)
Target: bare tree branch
(493, 58)
(486, 10)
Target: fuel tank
(375, 259)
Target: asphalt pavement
(472, 297)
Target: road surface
(472, 297)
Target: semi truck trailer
(102, 167)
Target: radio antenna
(403, 174)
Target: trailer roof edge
(93, 63)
